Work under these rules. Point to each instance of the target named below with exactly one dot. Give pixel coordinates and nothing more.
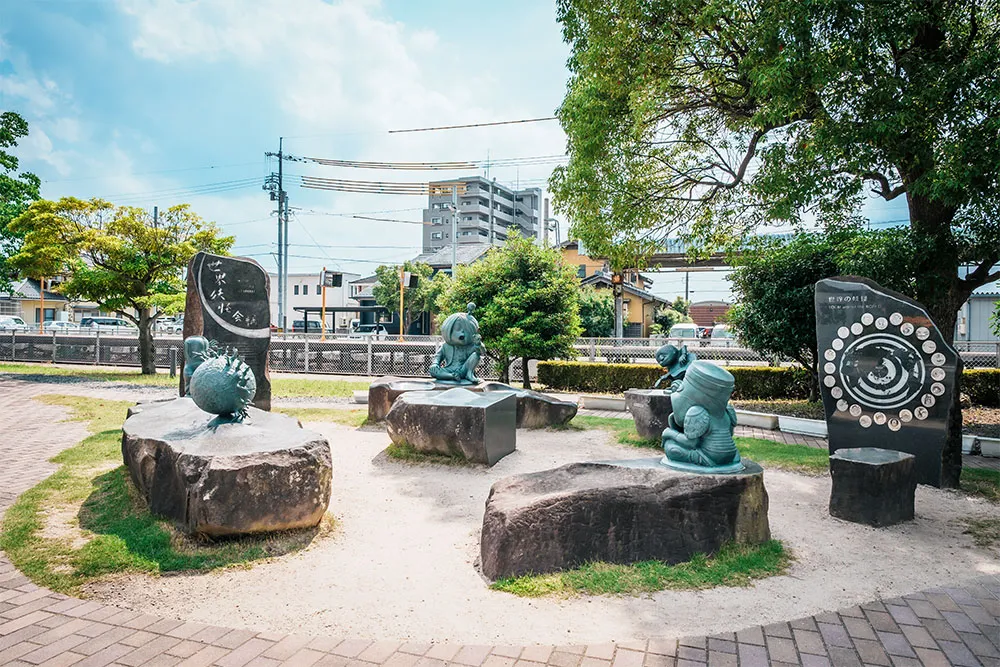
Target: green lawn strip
(981, 482)
(734, 565)
(280, 387)
(408, 454)
(115, 532)
(346, 417)
(984, 532)
(623, 428)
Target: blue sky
(158, 102)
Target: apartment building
(487, 213)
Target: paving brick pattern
(957, 625)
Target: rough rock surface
(479, 427)
(872, 486)
(383, 392)
(535, 409)
(650, 409)
(213, 477)
(617, 512)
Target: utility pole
(402, 285)
(618, 289)
(493, 187)
(285, 255)
(322, 317)
(545, 223)
(687, 285)
(276, 186)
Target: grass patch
(306, 387)
(104, 526)
(353, 418)
(734, 565)
(408, 454)
(623, 429)
(985, 532)
(798, 458)
(981, 482)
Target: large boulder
(479, 427)
(215, 477)
(650, 409)
(535, 409)
(617, 512)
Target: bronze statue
(674, 361)
(699, 433)
(196, 348)
(457, 358)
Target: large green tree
(420, 299)
(774, 285)
(707, 118)
(116, 256)
(17, 191)
(526, 303)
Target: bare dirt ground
(401, 563)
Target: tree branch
(886, 190)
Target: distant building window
(435, 221)
(435, 236)
(468, 202)
(317, 289)
(305, 290)
(581, 271)
(295, 289)
(483, 232)
(467, 218)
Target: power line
(460, 127)
(428, 166)
(147, 173)
(382, 187)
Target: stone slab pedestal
(617, 512)
(650, 409)
(382, 393)
(535, 409)
(479, 427)
(872, 486)
(213, 477)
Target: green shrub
(753, 383)
(983, 386)
(595, 376)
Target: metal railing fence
(342, 354)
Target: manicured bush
(983, 386)
(752, 382)
(595, 376)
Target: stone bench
(872, 486)
(650, 409)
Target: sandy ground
(402, 561)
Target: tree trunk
(147, 353)
(525, 378)
(941, 291)
(504, 362)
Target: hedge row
(983, 386)
(752, 382)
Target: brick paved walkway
(958, 624)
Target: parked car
(170, 326)
(722, 336)
(686, 333)
(112, 324)
(362, 331)
(62, 326)
(306, 326)
(11, 323)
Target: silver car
(12, 323)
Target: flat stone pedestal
(214, 477)
(382, 393)
(535, 409)
(872, 486)
(617, 512)
(479, 427)
(650, 409)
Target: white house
(305, 291)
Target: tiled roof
(600, 279)
(30, 290)
(466, 253)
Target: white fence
(343, 355)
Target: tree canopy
(597, 312)
(706, 120)
(420, 299)
(526, 303)
(17, 191)
(115, 256)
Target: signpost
(327, 279)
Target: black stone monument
(227, 302)
(887, 375)
(872, 486)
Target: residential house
(26, 301)
(305, 293)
